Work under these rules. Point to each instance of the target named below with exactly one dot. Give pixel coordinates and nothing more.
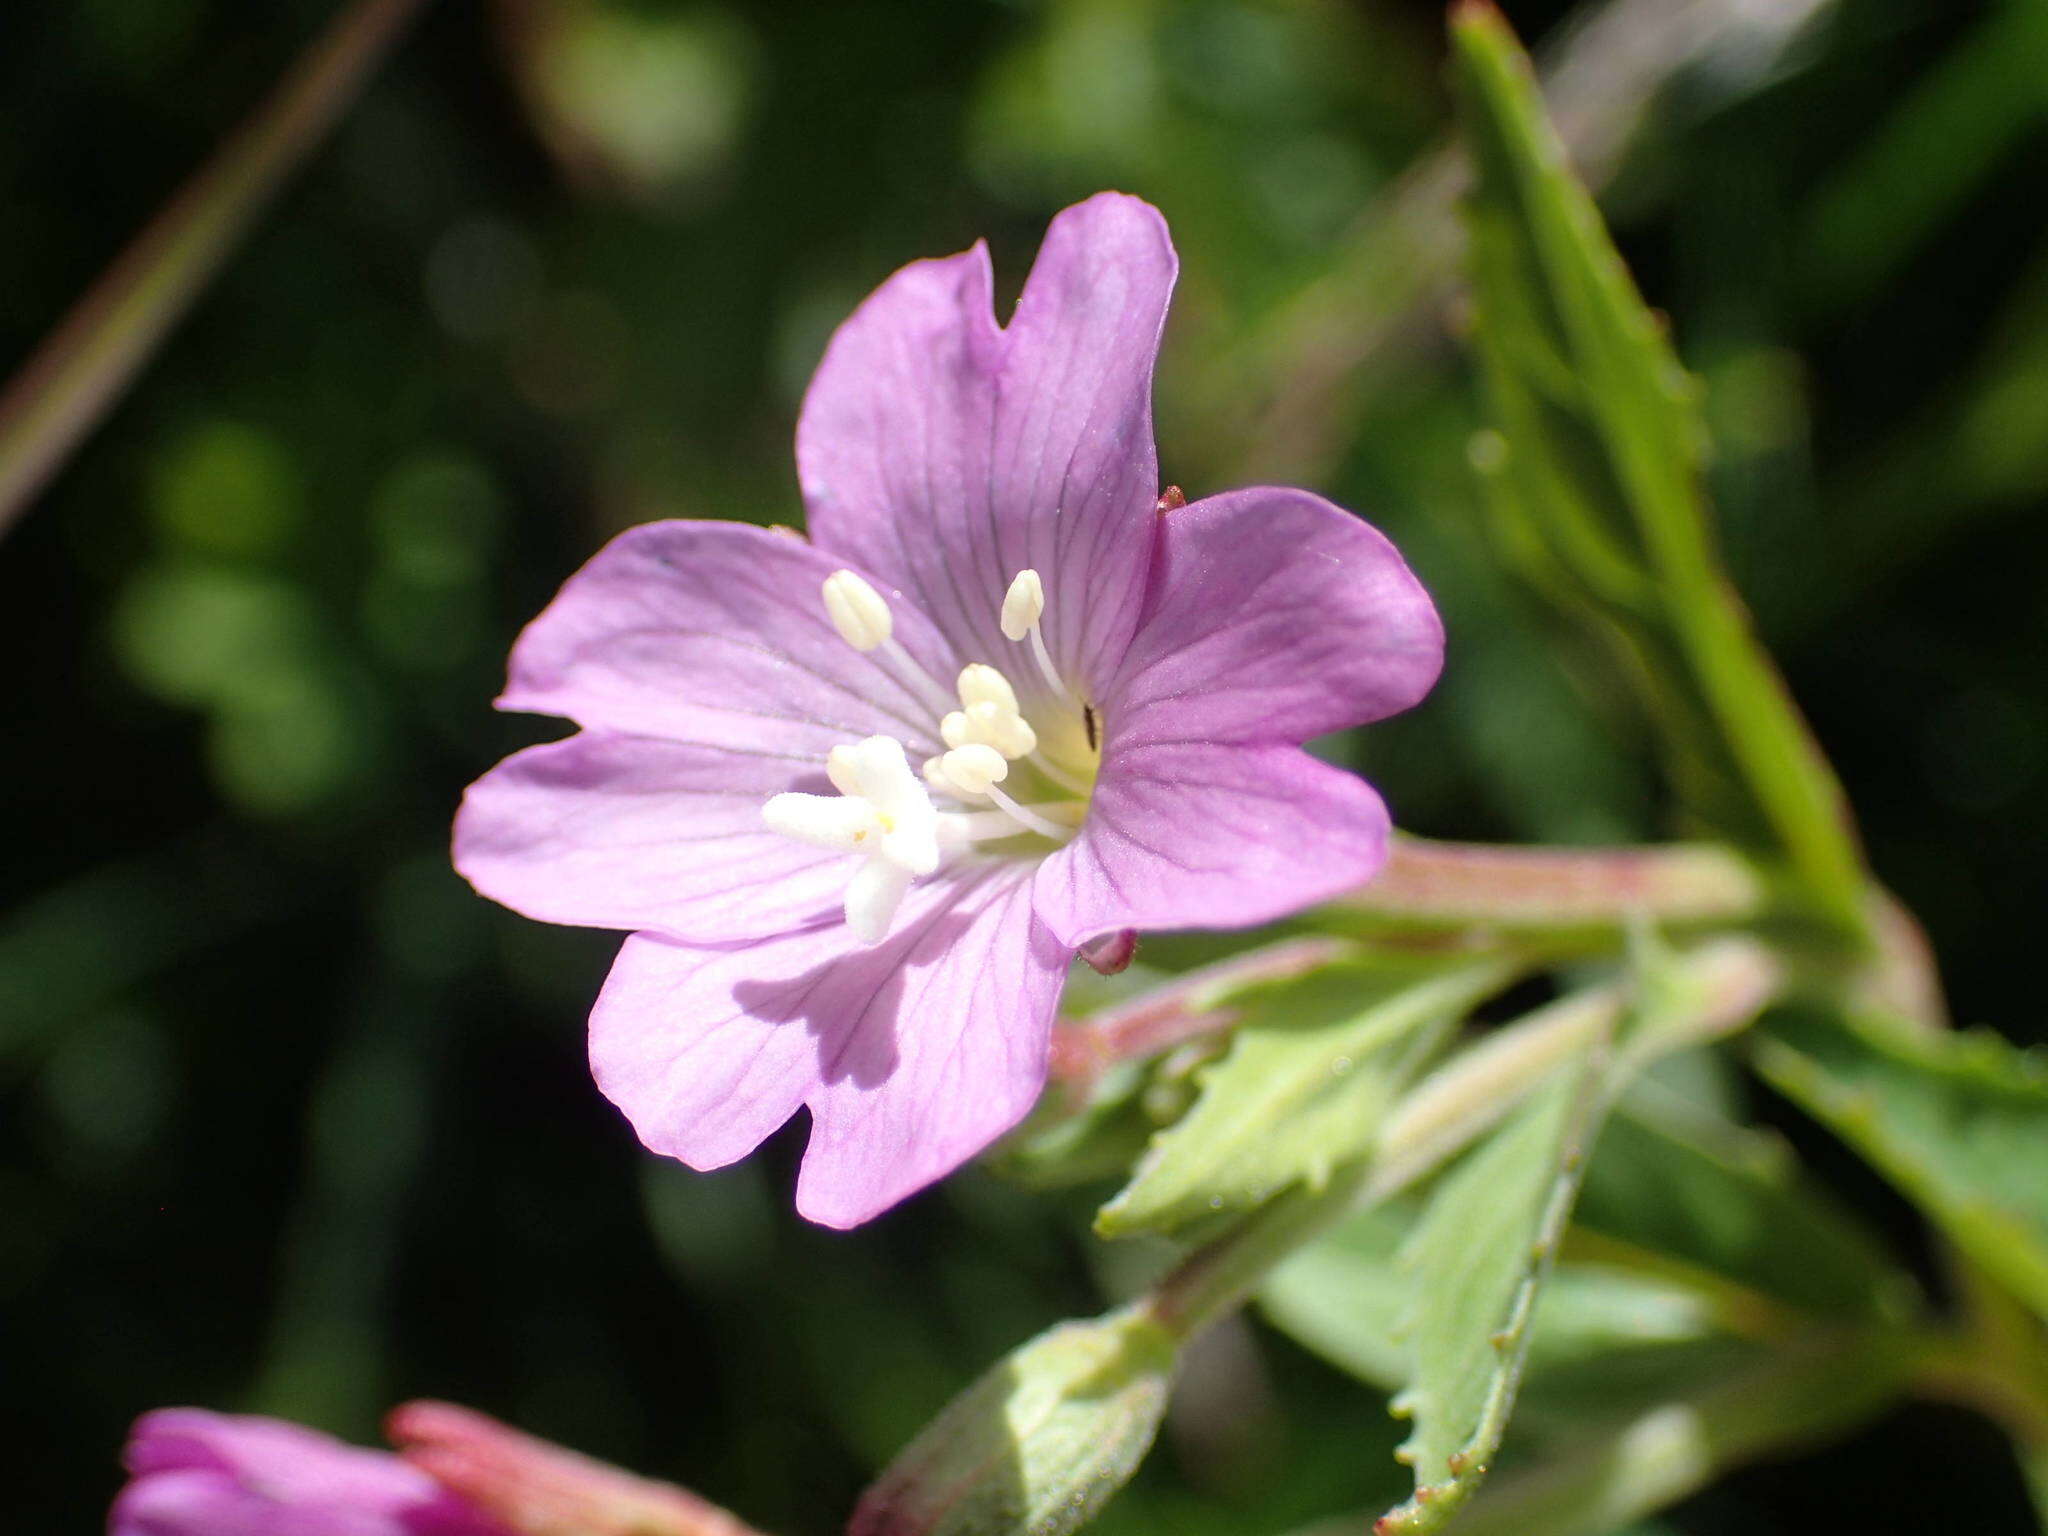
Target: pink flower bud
(539, 1489)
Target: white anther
(1022, 604)
(934, 772)
(954, 729)
(973, 768)
(857, 611)
(981, 683)
(1005, 730)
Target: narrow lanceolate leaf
(1592, 466)
(1958, 1122)
(83, 366)
(1313, 1067)
(1476, 1262)
(1036, 1446)
(1775, 1401)
(1603, 1340)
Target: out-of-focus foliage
(1958, 1122)
(294, 1123)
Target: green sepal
(1039, 1443)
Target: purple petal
(716, 632)
(615, 831)
(947, 454)
(913, 1055)
(1273, 616)
(1191, 835)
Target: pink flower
(195, 1473)
(861, 799)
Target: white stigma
(857, 611)
(882, 812)
(1023, 604)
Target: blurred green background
(294, 1123)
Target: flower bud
(539, 1489)
(1037, 1445)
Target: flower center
(1005, 786)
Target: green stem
(83, 365)
(1215, 1279)
(1997, 1364)
(1726, 982)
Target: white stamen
(1023, 604)
(1023, 607)
(857, 611)
(921, 680)
(872, 897)
(981, 683)
(960, 829)
(1024, 816)
(1050, 672)
(974, 768)
(1059, 775)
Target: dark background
(291, 1122)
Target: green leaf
(1476, 1263)
(1958, 1121)
(1592, 468)
(1039, 1443)
(1786, 1397)
(1682, 1192)
(1602, 1342)
(1315, 1062)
